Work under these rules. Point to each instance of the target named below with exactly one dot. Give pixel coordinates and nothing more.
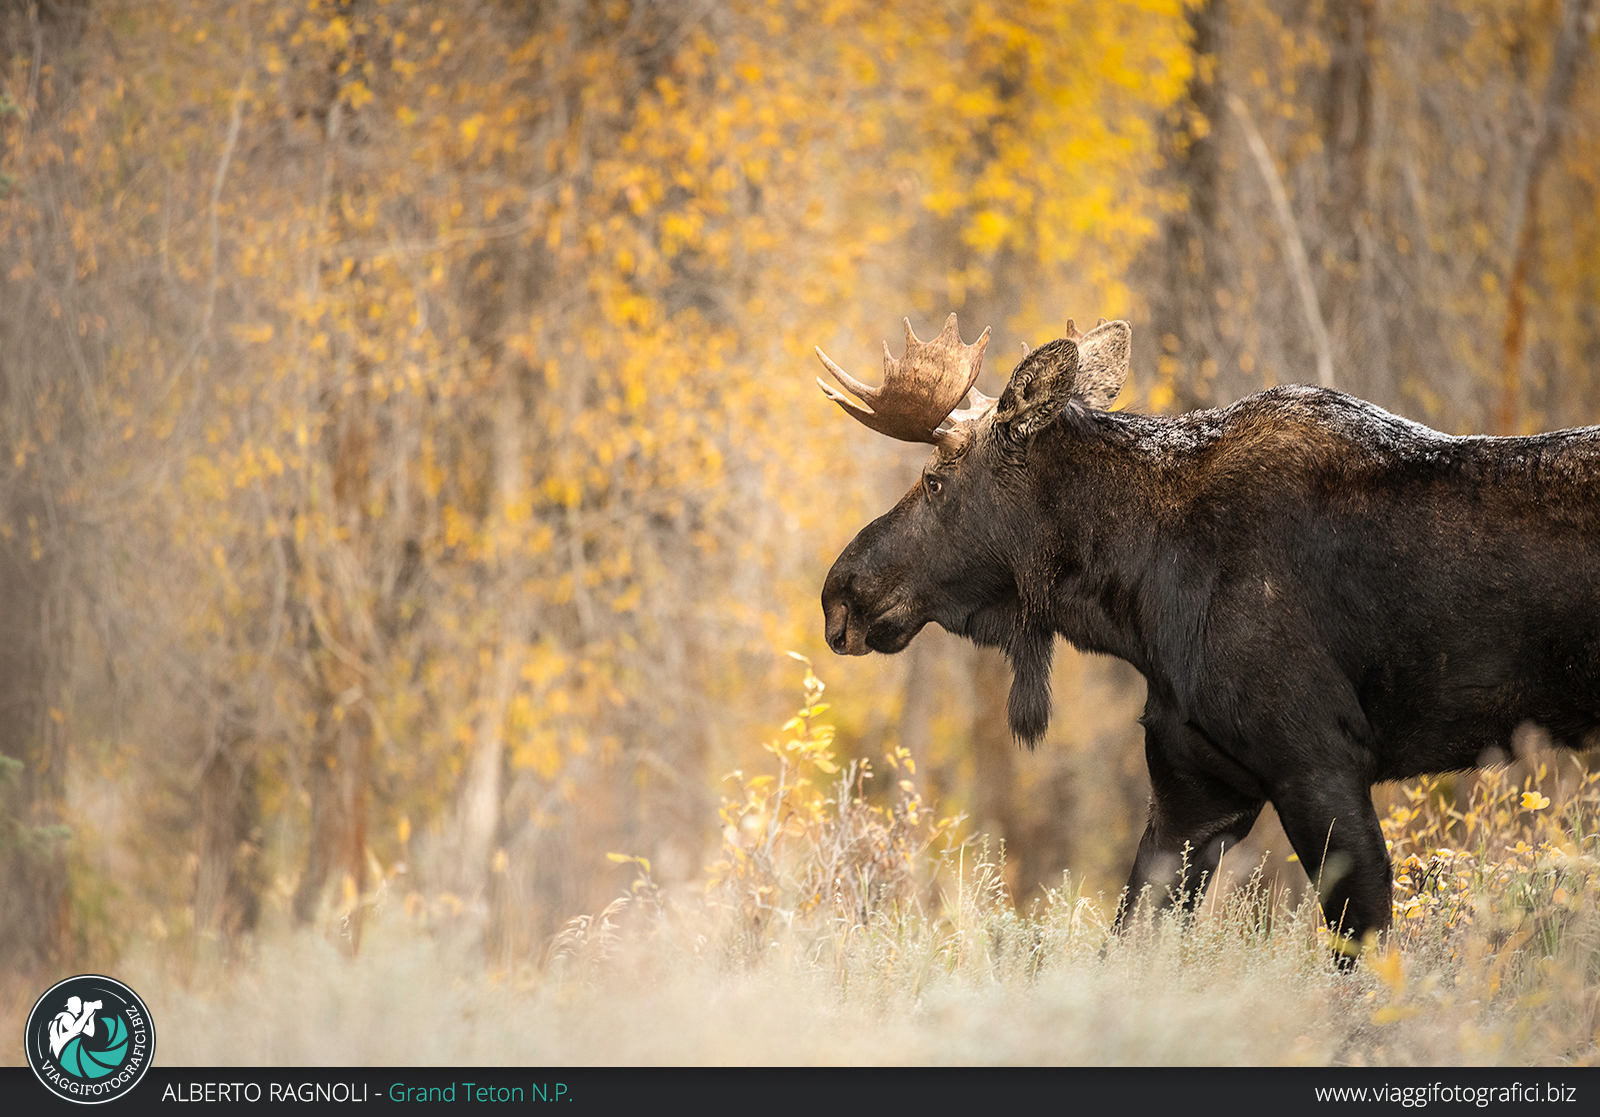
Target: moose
(1320, 595)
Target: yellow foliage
(459, 404)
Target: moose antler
(921, 390)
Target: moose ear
(1103, 363)
(1040, 387)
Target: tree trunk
(1184, 268)
(38, 553)
(34, 919)
(478, 817)
(339, 777)
(1572, 43)
(227, 886)
(1355, 317)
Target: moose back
(1320, 595)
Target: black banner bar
(824, 1090)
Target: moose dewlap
(1320, 595)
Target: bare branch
(216, 201)
(1294, 248)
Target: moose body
(1320, 595)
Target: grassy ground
(1245, 982)
(840, 927)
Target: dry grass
(836, 928)
(1245, 982)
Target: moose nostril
(846, 634)
(836, 618)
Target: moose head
(970, 546)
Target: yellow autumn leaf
(1393, 1014)
(357, 94)
(255, 334)
(1387, 966)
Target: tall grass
(843, 923)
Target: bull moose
(1319, 594)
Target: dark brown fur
(1320, 595)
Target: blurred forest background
(413, 472)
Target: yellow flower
(1533, 801)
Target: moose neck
(1095, 558)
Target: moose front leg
(1194, 817)
(1331, 824)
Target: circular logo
(90, 1039)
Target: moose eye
(934, 485)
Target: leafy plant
(30, 841)
(808, 840)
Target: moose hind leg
(1194, 817)
(1334, 830)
